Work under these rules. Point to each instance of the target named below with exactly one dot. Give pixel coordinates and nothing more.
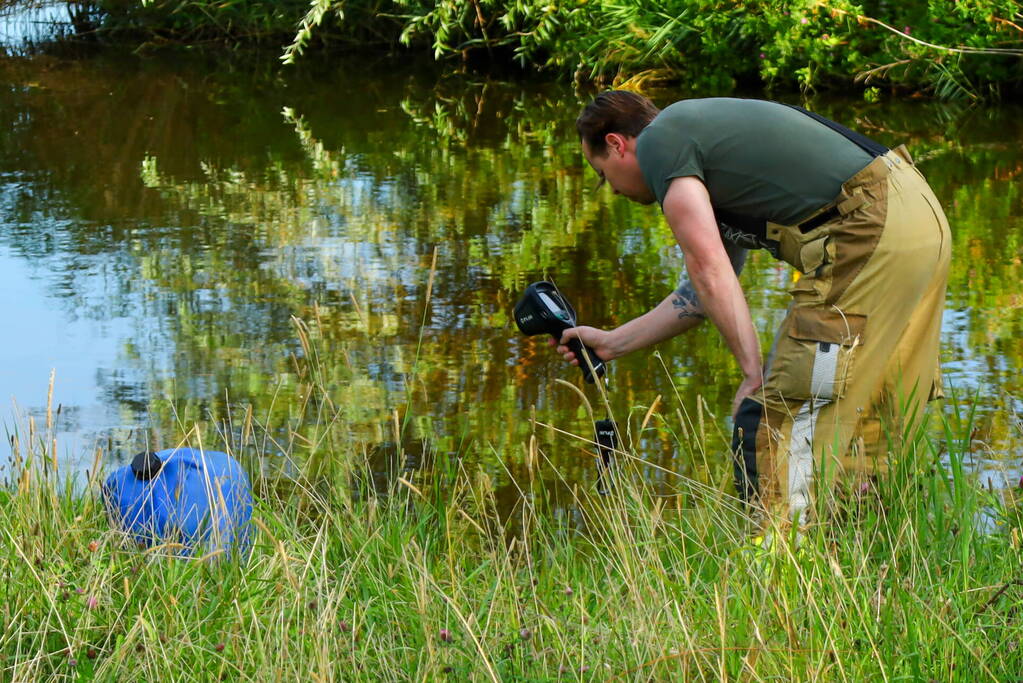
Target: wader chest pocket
(814, 360)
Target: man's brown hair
(614, 111)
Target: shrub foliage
(949, 48)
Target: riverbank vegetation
(944, 48)
(941, 46)
(371, 571)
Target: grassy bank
(947, 48)
(420, 578)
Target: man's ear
(615, 143)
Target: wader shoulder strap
(755, 229)
(874, 149)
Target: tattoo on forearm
(686, 304)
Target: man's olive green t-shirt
(759, 159)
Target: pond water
(173, 228)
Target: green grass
(424, 580)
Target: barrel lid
(146, 465)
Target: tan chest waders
(858, 348)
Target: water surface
(171, 227)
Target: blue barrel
(200, 499)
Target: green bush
(945, 47)
(948, 48)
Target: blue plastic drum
(199, 499)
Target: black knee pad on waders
(744, 449)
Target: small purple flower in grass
(568, 590)
(72, 662)
(445, 635)
(91, 602)
(525, 634)
(344, 626)
(864, 487)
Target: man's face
(620, 168)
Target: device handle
(579, 348)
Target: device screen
(554, 308)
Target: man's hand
(597, 339)
(749, 387)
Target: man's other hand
(749, 387)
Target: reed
(427, 576)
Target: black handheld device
(543, 310)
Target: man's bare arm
(673, 316)
(658, 324)
(679, 312)
(690, 215)
(686, 301)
